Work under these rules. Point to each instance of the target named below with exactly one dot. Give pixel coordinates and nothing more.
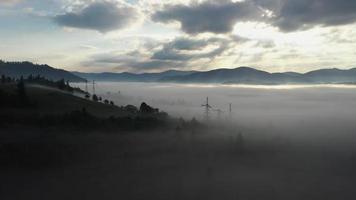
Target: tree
(3, 79)
(106, 101)
(146, 109)
(61, 84)
(9, 80)
(30, 78)
(21, 89)
(131, 109)
(95, 98)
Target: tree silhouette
(3, 79)
(61, 84)
(146, 109)
(21, 89)
(95, 98)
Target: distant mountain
(241, 75)
(131, 77)
(246, 75)
(332, 76)
(18, 69)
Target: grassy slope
(53, 101)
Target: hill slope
(18, 69)
(131, 77)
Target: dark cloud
(185, 49)
(304, 14)
(152, 65)
(100, 16)
(210, 16)
(188, 44)
(131, 61)
(287, 15)
(179, 53)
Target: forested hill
(25, 69)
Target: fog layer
(293, 110)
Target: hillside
(34, 105)
(131, 77)
(332, 76)
(18, 69)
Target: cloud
(186, 49)
(209, 16)
(304, 14)
(100, 16)
(219, 17)
(178, 53)
(134, 61)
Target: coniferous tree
(61, 84)
(21, 89)
(3, 79)
(95, 98)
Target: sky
(155, 35)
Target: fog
(282, 142)
(319, 110)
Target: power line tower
(86, 86)
(230, 110)
(207, 109)
(93, 87)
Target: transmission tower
(93, 87)
(230, 110)
(86, 86)
(207, 109)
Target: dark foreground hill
(41, 106)
(25, 69)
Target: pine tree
(21, 89)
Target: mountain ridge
(239, 75)
(25, 69)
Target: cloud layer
(210, 16)
(288, 15)
(100, 16)
(304, 14)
